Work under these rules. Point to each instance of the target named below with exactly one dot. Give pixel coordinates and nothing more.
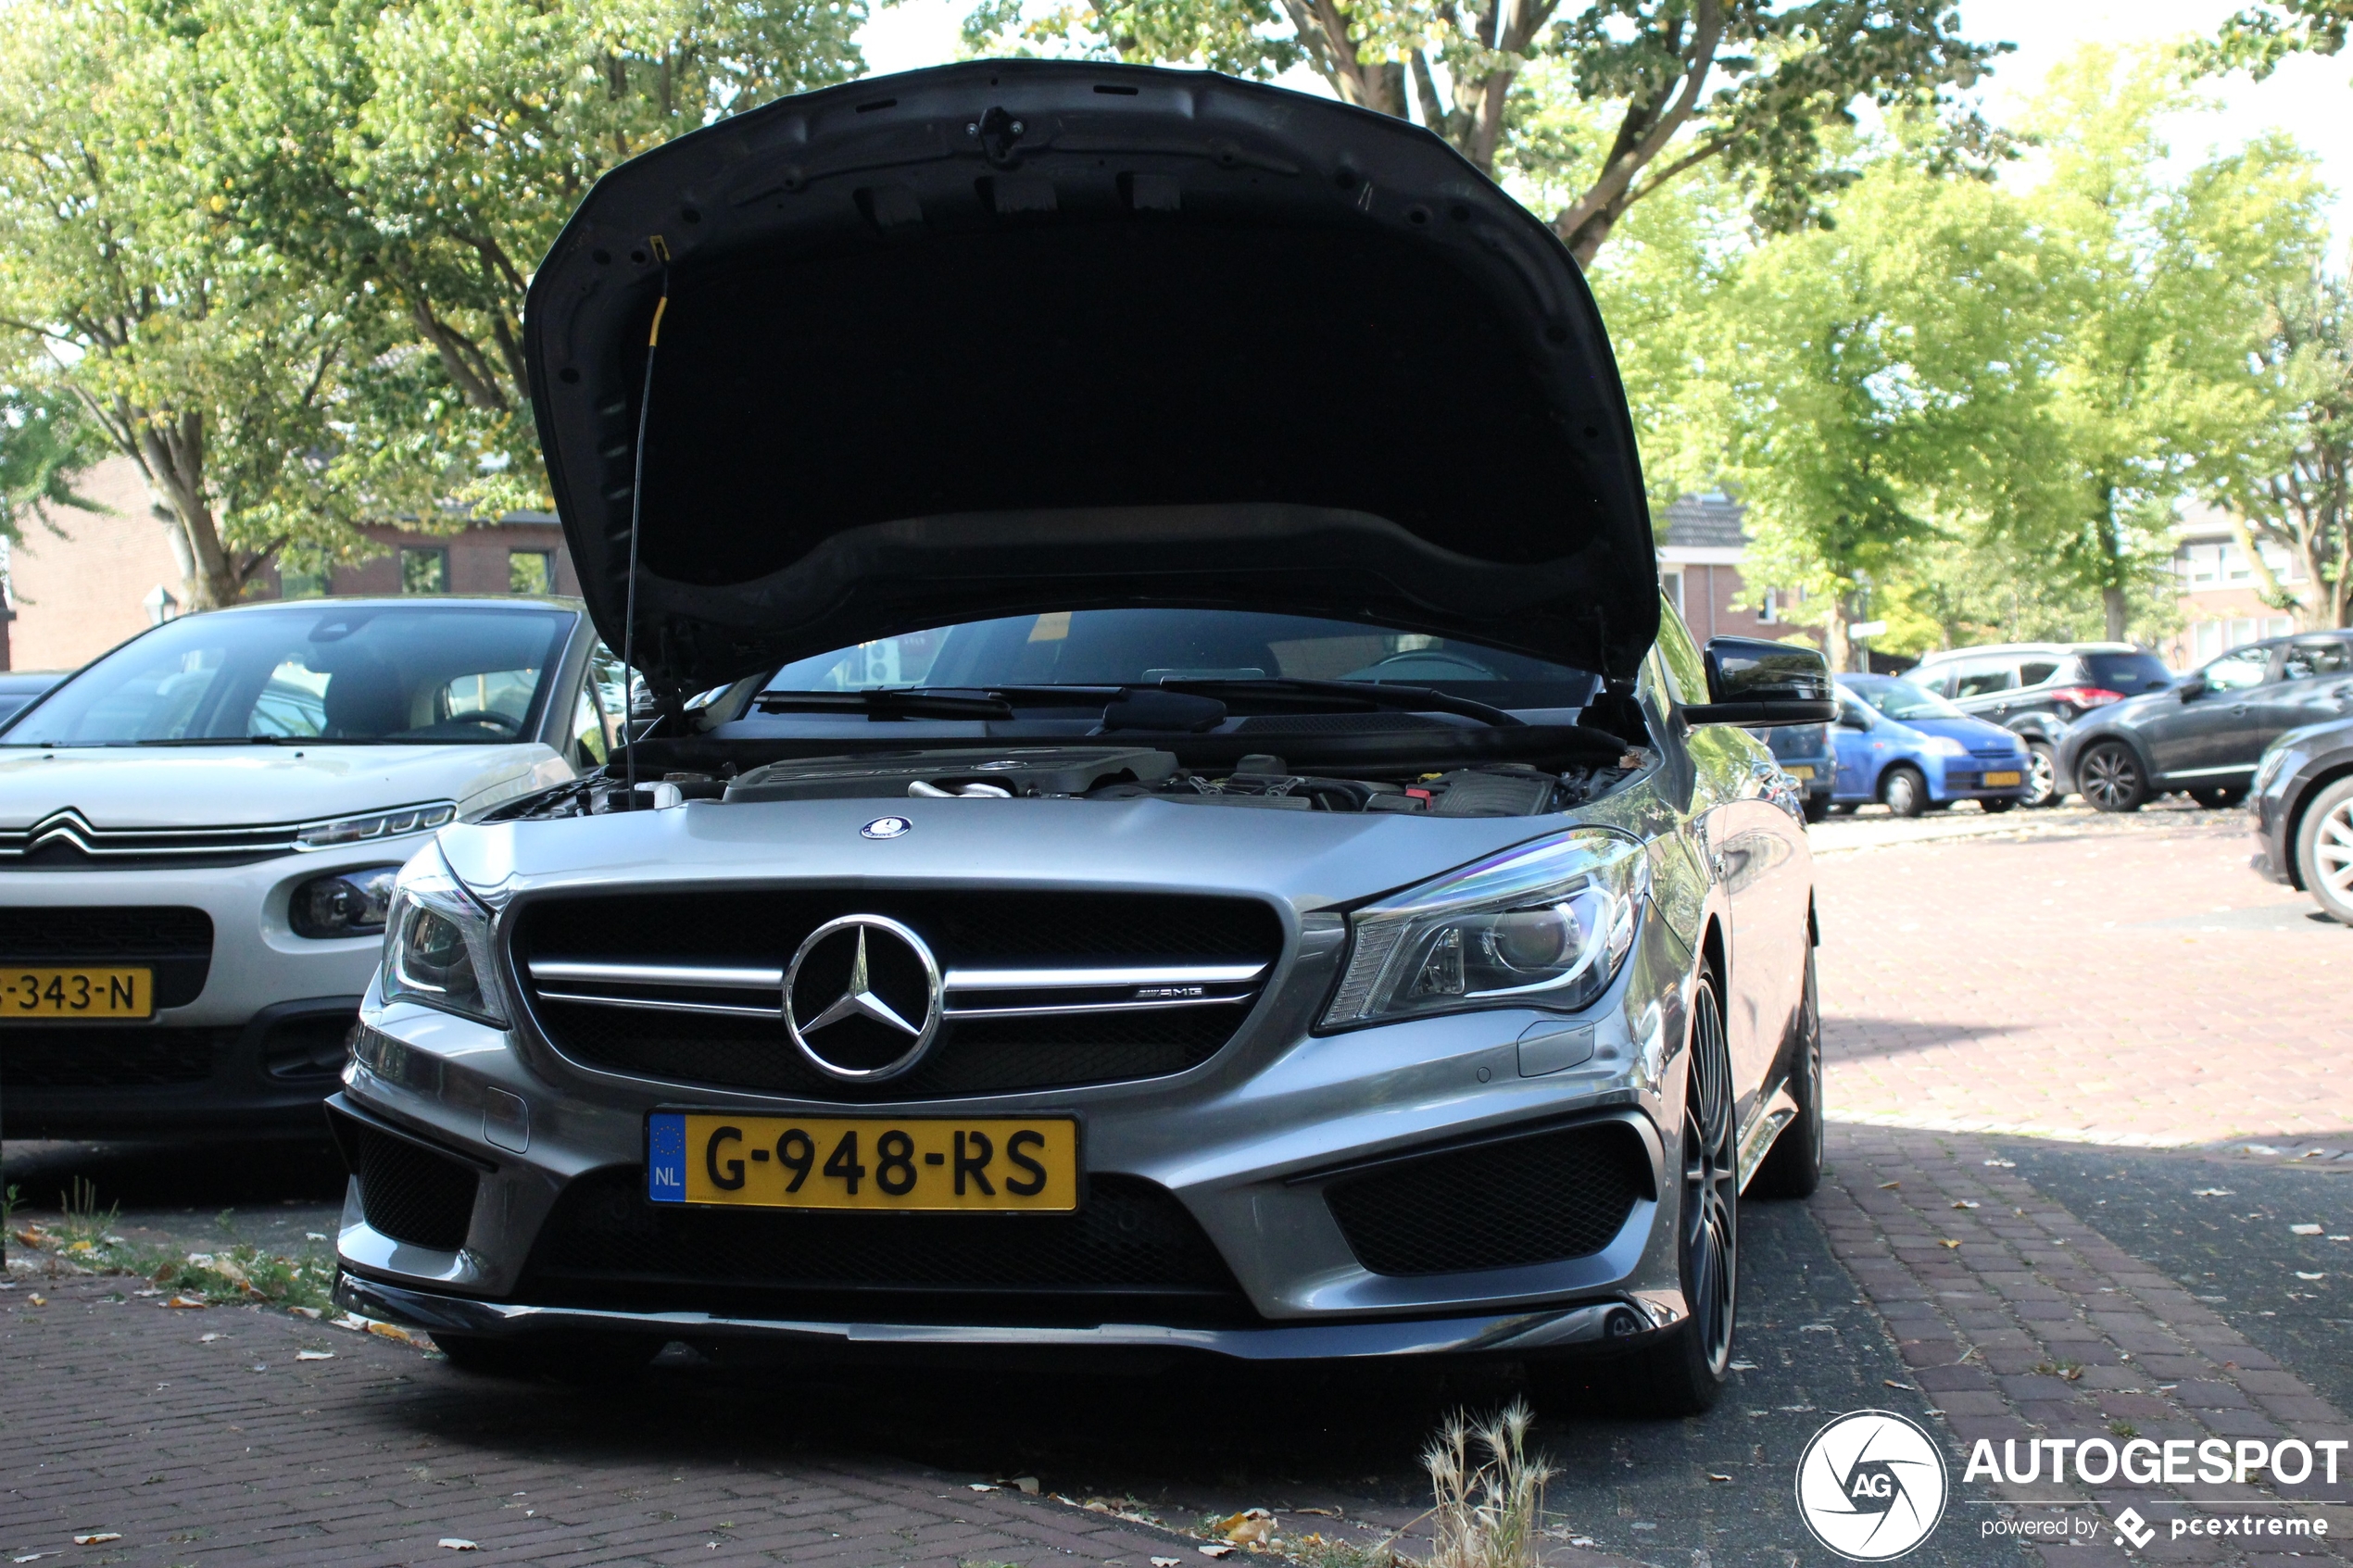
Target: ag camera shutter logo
(1871, 1486)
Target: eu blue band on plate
(666, 1157)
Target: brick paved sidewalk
(2026, 1324)
(120, 1418)
(2132, 985)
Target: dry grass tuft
(1489, 1512)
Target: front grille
(66, 840)
(1131, 1253)
(407, 1191)
(106, 1056)
(1539, 1198)
(175, 942)
(1040, 1040)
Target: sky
(2310, 97)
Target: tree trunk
(170, 457)
(2118, 612)
(2112, 600)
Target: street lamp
(160, 606)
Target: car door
(1857, 760)
(1983, 687)
(2211, 719)
(2315, 684)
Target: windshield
(1902, 700)
(362, 674)
(1110, 647)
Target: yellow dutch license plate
(1801, 770)
(46, 994)
(1995, 781)
(904, 1163)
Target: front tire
(1683, 1372)
(1794, 1168)
(2324, 851)
(1905, 791)
(2042, 775)
(2112, 778)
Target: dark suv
(2040, 689)
(2205, 736)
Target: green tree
(2291, 485)
(2157, 287)
(425, 154)
(1756, 89)
(193, 354)
(2259, 38)
(45, 445)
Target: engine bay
(1254, 782)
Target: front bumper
(1248, 1144)
(252, 1051)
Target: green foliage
(1760, 90)
(2259, 38)
(44, 445)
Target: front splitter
(1618, 1322)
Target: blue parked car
(1903, 744)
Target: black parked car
(2040, 690)
(2304, 814)
(2205, 736)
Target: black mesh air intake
(106, 1056)
(1132, 1253)
(174, 942)
(1539, 1198)
(407, 1191)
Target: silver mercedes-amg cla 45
(1168, 811)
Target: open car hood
(1026, 335)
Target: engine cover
(1028, 770)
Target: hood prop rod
(636, 516)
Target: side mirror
(1757, 682)
(2191, 688)
(1852, 721)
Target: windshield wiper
(1364, 694)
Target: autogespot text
(2145, 1462)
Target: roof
(1940, 655)
(1703, 522)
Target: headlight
(1542, 925)
(345, 904)
(1946, 746)
(437, 944)
(394, 824)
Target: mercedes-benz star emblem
(886, 827)
(866, 990)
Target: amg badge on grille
(862, 997)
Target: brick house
(80, 582)
(1702, 546)
(2218, 586)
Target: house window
(2235, 567)
(2203, 565)
(2278, 626)
(531, 571)
(1768, 609)
(2207, 638)
(1672, 581)
(424, 571)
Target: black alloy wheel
(2112, 778)
(2323, 850)
(1905, 791)
(1794, 1168)
(2042, 775)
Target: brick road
(2099, 980)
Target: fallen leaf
(1885, 1185)
(1713, 1476)
(313, 1236)
(1963, 1203)
(1166, 1562)
(1253, 1526)
(38, 1299)
(2212, 1192)
(314, 1355)
(97, 1538)
(1948, 1243)
(1893, 1384)
(1583, 1540)
(2003, 1164)
(1025, 1482)
(185, 1301)
(208, 1338)
(84, 1246)
(2301, 1275)
(1215, 1550)
(310, 1312)
(1735, 1366)
(457, 1543)
(979, 1487)
(2304, 1230)
(394, 1330)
